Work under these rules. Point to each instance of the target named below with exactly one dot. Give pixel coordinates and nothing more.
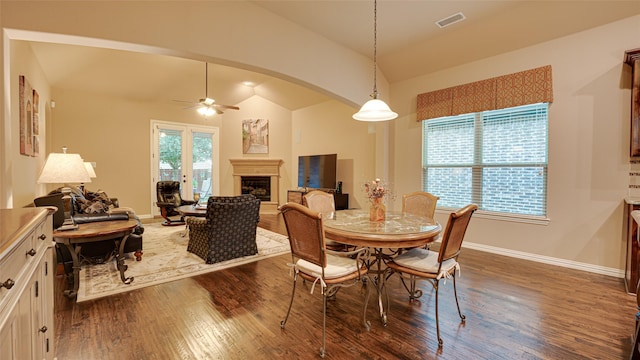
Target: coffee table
(116, 230)
(190, 210)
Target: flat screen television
(317, 171)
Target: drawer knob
(42, 236)
(32, 252)
(7, 284)
(43, 329)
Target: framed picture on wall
(26, 116)
(255, 136)
(35, 124)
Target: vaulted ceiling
(409, 44)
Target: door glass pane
(170, 162)
(201, 160)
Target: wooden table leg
(74, 251)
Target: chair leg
(435, 285)
(366, 323)
(455, 293)
(324, 321)
(411, 289)
(293, 293)
(384, 294)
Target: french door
(188, 154)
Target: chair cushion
(337, 266)
(424, 260)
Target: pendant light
(375, 109)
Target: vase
(377, 210)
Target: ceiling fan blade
(230, 107)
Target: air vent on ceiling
(450, 20)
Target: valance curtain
(521, 88)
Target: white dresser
(26, 284)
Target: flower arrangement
(378, 190)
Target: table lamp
(63, 168)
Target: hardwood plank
(515, 309)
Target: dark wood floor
(515, 309)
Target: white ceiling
(408, 44)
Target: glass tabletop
(396, 223)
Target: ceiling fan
(207, 106)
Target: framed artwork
(255, 136)
(25, 100)
(29, 102)
(35, 124)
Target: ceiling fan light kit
(206, 111)
(207, 101)
(375, 109)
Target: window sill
(528, 219)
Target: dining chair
(312, 261)
(420, 263)
(324, 203)
(420, 203)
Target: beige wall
(588, 143)
(26, 169)
(588, 148)
(328, 128)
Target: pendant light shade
(375, 109)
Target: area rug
(166, 259)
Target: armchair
(228, 230)
(168, 200)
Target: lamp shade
(62, 169)
(90, 170)
(375, 110)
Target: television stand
(341, 200)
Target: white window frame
(476, 192)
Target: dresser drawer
(18, 261)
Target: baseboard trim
(547, 260)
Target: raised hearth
(250, 171)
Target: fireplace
(259, 177)
(258, 186)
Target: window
(496, 159)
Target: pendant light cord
(375, 52)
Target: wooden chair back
(454, 232)
(320, 201)
(420, 203)
(306, 233)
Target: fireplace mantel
(258, 167)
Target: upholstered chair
(228, 231)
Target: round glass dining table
(385, 238)
(398, 230)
